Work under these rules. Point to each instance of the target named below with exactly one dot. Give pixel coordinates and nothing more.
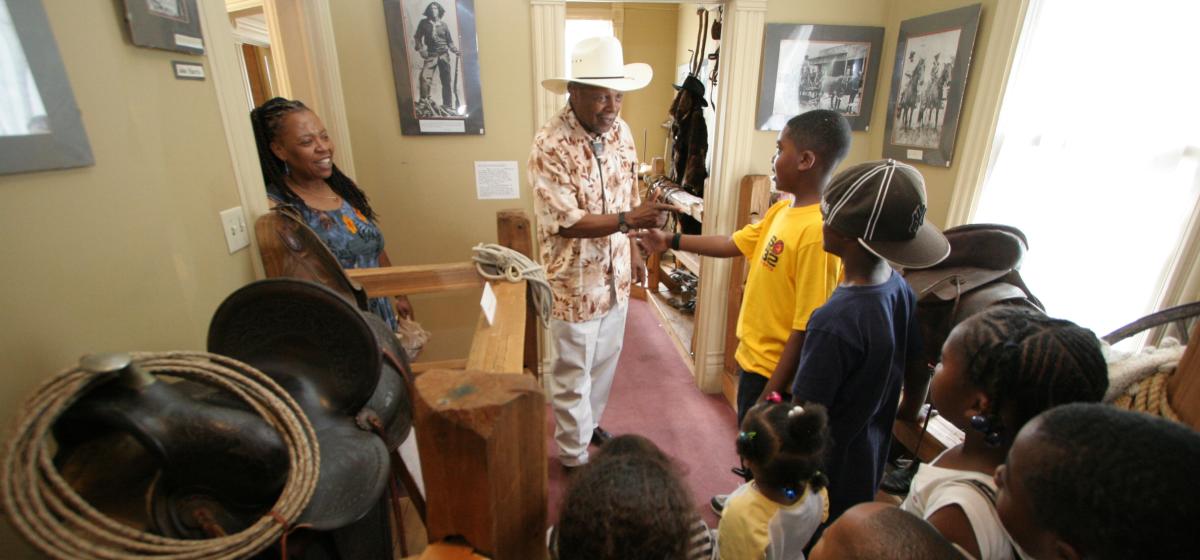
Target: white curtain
(21, 109)
(1095, 156)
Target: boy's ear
(806, 160)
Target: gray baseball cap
(882, 203)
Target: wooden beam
(483, 454)
(422, 367)
(500, 347)
(1183, 387)
(408, 280)
(513, 230)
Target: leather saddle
(983, 269)
(215, 461)
(291, 249)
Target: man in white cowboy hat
(582, 168)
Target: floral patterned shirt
(569, 182)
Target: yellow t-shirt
(790, 276)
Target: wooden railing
(509, 345)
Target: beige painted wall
(424, 186)
(939, 181)
(889, 14)
(649, 37)
(846, 12)
(127, 254)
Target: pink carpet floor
(655, 395)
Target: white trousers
(581, 378)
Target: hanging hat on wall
(600, 62)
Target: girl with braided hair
(776, 514)
(296, 155)
(999, 369)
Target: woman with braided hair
(296, 155)
(999, 369)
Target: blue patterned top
(355, 241)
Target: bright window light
(1095, 157)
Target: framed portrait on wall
(173, 25)
(435, 64)
(40, 124)
(933, 55)
(807, 67)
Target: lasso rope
(1149, 395)
(55, 519)
(496, 262)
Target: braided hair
(266, 120)
(1026, 362)
(787, 442)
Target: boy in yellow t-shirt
(790, 272)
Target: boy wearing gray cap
(863, 344)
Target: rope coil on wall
(55, 519)
(497, 262)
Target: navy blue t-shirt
(855, 351)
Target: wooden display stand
(754, 199)
(481, 432)
(482, 441)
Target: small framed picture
(933, 54)
(807, 67)
(435, 64)
(172, 25)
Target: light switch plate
(233, 221)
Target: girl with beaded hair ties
(999, 369)
(296, 155)
(775, 515)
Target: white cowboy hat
(599, 61)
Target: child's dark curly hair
(787, 442)
(1027, 362)
(628, 502)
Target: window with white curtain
(21, 108)
(579, 29)
(1095, 156)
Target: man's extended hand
(650, 214)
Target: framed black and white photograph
(807, 67)
(435, 63)
(933, 55)
(172, 25)
(40, 124)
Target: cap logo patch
(918, 218)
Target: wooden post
(513, 231)
(1183, 388)
(754, 198)
(483, 453)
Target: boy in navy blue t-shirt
(864, 344)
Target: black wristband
(675, 241)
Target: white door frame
(324, 90)
(741, 53)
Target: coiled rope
(497, 262)
(1149, 395)
(55, 519)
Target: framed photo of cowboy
(808, 67)
(933, 55)
(172, 25)
(435, 63)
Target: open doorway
(253, 43)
